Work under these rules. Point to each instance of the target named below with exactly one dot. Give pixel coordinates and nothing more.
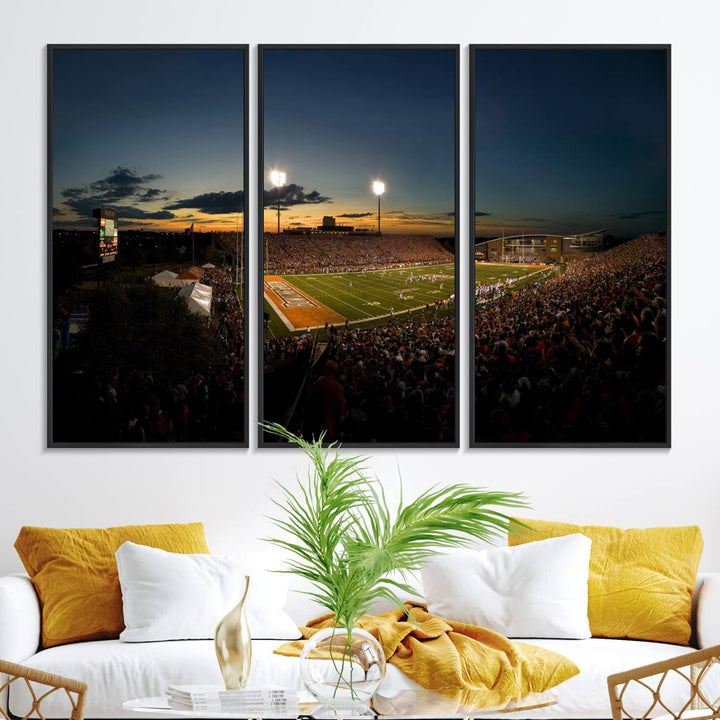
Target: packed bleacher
(580, 357)
(392, 384)
(288, 253)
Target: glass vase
(342, 670)
(233, 645)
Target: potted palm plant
(343, 537)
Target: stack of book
(257, 701)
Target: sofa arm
(19, 618)
(708, 611)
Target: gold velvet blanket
(468, 665)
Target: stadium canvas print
(569, 149)
(358, 181)
(147, 178)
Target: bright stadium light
(277, 178)
(378, 187)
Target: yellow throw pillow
(641, 581)
(76, 578)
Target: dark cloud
(153, 194)
(639, 214)
(85, 206)
(292, 194)
(531, 219)
(480, 213)
(214, 203)
(356, 215)
(74, 193)
(127, 212)
(82, 204)
(122, 183)
(57, 211)
(121, 186)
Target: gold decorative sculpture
(233, 645)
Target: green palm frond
(347, 542)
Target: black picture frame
(660, 435)
(266, 440)
(62, 437)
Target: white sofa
(116, 671)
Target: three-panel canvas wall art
(386, 312)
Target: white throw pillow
(536, 590)
(176, 596)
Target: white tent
(208, 266)
(198, 297)
(166, 278)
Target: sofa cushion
(75, 574)
(117, 671)
(641, 580)
(183, 596)
(530, 591)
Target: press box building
(541, 247)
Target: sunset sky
(337, 119)
(156, 134)
(570, 140)
(567, 140)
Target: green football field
(372, 297)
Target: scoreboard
(107, 234)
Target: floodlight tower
(277, 178)
(378, 188)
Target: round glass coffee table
(412, 704)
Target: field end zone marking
(291, 297)
(296, 318)
(279, 313)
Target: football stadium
(359, 336)
(580, 357)
(359, 332)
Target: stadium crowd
(290, 253)
(387, 384)
(580, 357)
(142, 405)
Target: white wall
(228, 490)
